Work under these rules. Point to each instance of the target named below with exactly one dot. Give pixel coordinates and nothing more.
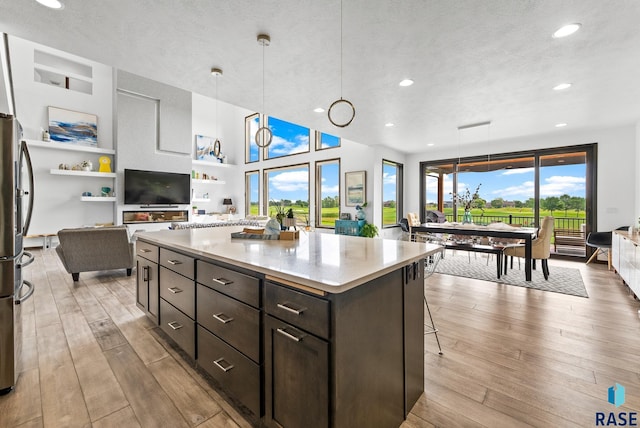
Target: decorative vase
(360, 215)
(466, 218)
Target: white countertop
(323, 261)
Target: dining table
(493, 230)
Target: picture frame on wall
(207, 148)
(356, 185)
(73, 127)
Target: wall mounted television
(156, 188)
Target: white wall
(617, 186)
(57, 198)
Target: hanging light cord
(341, 101)
(263, 131)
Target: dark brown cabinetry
(229, 331)
(296, 376)
(178, 299)
(293, 355)
(147, 297)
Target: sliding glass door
(519, 189)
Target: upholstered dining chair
(540, 247)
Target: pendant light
(216, 146)
(264, 136)
(341, 103)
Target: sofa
(95, 248)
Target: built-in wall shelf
(68, 146)
(198, 181)
(201, 200)
(98, 198)
(83, 173)
(214, 164)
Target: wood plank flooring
(513, 357)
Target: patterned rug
(561, 280)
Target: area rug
(561, 280)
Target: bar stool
(430, 264)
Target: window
(518, 188)
(251, 126)
(251, 193)
(391, 193)
(327, 192)
(326, 141)
(288, 139)
(289, 187)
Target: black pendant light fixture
(264, 136)
(341, 104)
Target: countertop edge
(333, 289)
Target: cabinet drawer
(301, 310)
(146, 250)
(233, 371)
(235, 284)
(177, 262)
(234, 322)
(178, 290)
(179, 327)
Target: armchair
(90, 249)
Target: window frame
(265, 184)
(265, 151)
(318, 143)
(399, 192)
(247, 192)
(318, 191)
(249, 138)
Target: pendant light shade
(264, 136)
(217, 72)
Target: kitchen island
(322, 331)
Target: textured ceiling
(472, 61)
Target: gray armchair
(90, 249)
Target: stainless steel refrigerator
(16, 200)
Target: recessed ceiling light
(560, 125)
(430, 144)
(562, 86)
(567, 30)
(406, 82)
(318, 110)
(53, 4)
(389, 125)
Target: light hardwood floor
(512, 356)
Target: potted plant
(280, 213)
(289, 220)
(369, 230)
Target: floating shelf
(213, 164)
(69, 146)
(194, 180)
(83, 173)
(98, 198)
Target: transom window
(288, 139)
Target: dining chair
(540, 247)
(601, 241)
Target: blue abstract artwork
(67, 126)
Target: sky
(508, 184)
(518, 184)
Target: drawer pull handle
(221, 367)
(144, 250)
(145, 274)
(174, 262)
(174, 290)
(288, 308)
(222, 281)
(174, 325)
(288, 335)
(222, 318)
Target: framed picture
(206, 148)
(356, 184)
(67, 126)
(345, 216)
